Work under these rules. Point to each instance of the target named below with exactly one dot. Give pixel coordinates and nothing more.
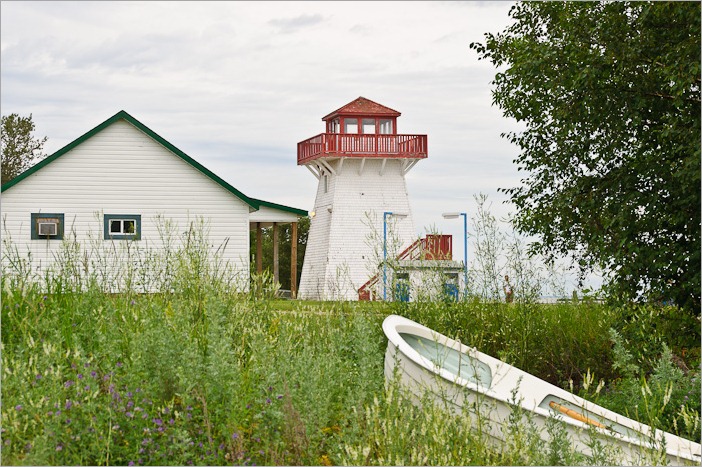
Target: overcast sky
(236, 85)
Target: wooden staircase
(431, 247)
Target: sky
(236, 85)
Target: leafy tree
(609, 95)
(19, 147)
(284, 250)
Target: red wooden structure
(431, 247)
(362, 128)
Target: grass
(210, 375)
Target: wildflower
(69, 404)
(28, 447)
(131, 463)
(115, 428)
(171, 421)
(158, 421)
(280, 397)
(80, 376)
(18, 407)
(129, 394)
(59, 447)
(86, 364)
(93, 374)
(119, 364)
(68, 383)
(129, 415)
(68, 421)
(189, 408)
(268, 400)
(130, 404)
(87, 388)
(38, 377)
(49, 413)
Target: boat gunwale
(394, 325)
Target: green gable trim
(122, 115)
(268, 204)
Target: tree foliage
(284, 250)
(20, 149)
(609, 95)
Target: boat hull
(466, 381)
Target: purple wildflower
(18, 407)
(69, 404)
(80, 376)
(131, 463)
(93, 374)
(158, 421)
(87, 388)
(38, 377)
(129, 415)
(68, 383)
(59, 447)
(119, 364)
(171, 421)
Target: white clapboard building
(121, 186)
(362, 214)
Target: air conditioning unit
(47, 228)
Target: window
(368, 126)
(350, 125)
(47, 226)
(122, 227)
(326, 184)
(334, 126)
(385, 126)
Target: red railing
(359, 145)
(432, 247)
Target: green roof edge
(122, 115)
(299, 212)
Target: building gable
(122, 115)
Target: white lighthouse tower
(362, 211)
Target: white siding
(121, 170)
(345, 246)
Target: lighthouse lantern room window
(367, 126)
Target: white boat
(468, 381)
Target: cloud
(291, 25)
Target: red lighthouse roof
(363, 107)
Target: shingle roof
(362, 106)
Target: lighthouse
(362, 212)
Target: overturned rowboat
(467, 381)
